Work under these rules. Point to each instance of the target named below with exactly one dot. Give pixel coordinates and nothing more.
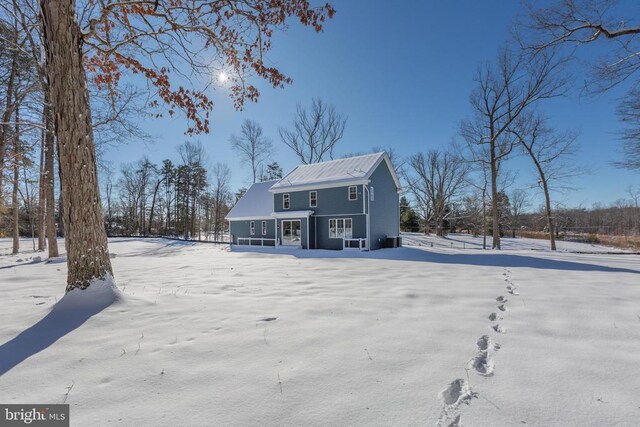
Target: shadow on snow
(68, 314)
(491, 259)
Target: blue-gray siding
(330, 201)
(243, 229)
(384, 218)
(359, 230)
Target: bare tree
(503, 93)
(519, 202)
(551, 154)
(252, 146)
(634, 194)
(120, 38)
(580, 23)
(220, 179)
(435, 180)
(314, 132)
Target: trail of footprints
(459, 391)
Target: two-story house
(344, 203)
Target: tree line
(63, 94)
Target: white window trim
(264, 228)
(344, 228)
(311, 205)
(349, 192)
(286, 197)
(252, 228)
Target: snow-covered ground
(418, 336)
(467, 241)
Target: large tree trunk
(85, 236)
(6, 116)
(547, 198)
(495, 210)
(14, 195)
(41, 191)
(50, 202)
(549, 214)
(15, 207)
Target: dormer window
(285, 201)
(353, 192)
(313, 199)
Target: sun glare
(223, 77)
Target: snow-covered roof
(257, 203)
(351, 170)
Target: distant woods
(187, 199)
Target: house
(344, 203)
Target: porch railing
(259, 240)
(360, 244)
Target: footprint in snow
(502, 307)
(486, 343)
(493, 317)
(499, 329)
(501, 299)
(483, 364)
(456, 393)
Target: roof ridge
(341, 159)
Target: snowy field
(415, 336)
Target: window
(340, 228)
(252, 228)
(264, 228)
(353, 193)
(285, 201)
(313, 199)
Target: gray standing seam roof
(257, 202)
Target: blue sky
(402, 75)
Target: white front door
(291, 235)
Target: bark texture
(41, 192)
(16, 183)
(49, 176)
(8, 110)
(85, 236)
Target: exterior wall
(330, 201)
(384, 213)
(384, 218)
(243, 229)
(303, 231)
(359, 230)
